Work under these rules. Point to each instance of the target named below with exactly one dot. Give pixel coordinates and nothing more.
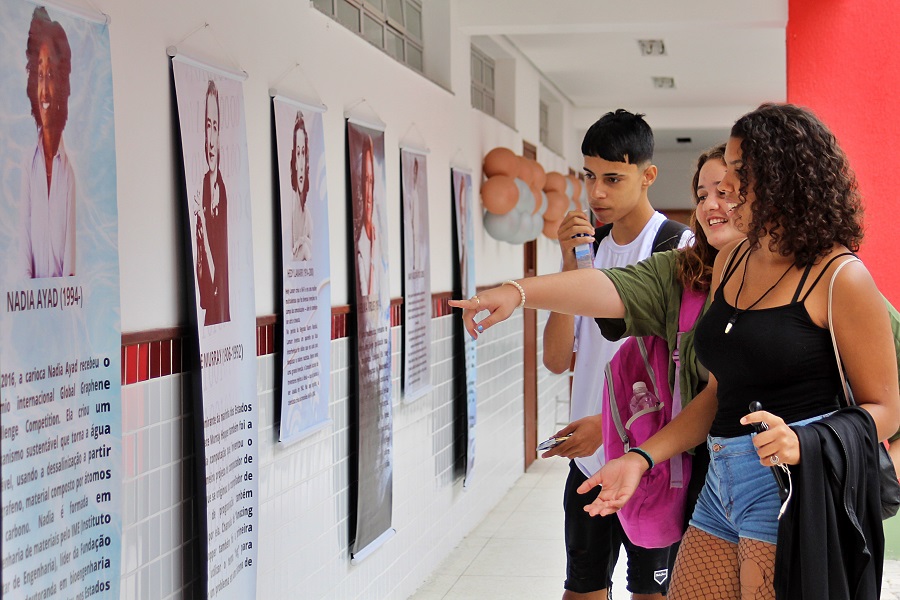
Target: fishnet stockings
(709, 568)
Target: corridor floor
(517, 551)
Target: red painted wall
(843, 63)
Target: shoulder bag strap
(848, 398)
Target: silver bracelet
(518, 287)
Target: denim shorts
(740, 497)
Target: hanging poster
(306, 350)
(217, 180)
(417, 277)
(465, 243)
(374, 457)
(60, 409)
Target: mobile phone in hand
(552, 443)
(781, 479)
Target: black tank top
(775, 355)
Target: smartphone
(781, 480)
(552, 442)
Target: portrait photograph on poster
(217, 201)
(416, 276)
(60, 335)
(374, 464)
(306, 350)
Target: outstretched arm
(586, 292)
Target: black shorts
(592, 548)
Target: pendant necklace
(738, 311)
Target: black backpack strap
(600, 233)
(668, 236)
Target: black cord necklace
(738, 311)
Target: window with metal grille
(483, 70)
(394, 26)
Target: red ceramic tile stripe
(177, 344)
(165, 358)
(146, 355)
(143, 361)
(155, 361)
(131, 364)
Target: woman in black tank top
(765, 338)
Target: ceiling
(726, 57)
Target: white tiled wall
(303, 537)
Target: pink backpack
(654, 516)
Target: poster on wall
(465, 243)
(416, 277)
(374, 456)
(217, 181)
(306, 349)
(60, 332)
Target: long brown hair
(695, 262)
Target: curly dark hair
(806, 194)
(45, 31)
(695, 262)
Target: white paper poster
(306, 350)
(417, 277)
(462, 195)
(374, 473)
(214, 144)
(60, 400)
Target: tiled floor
(517, 552)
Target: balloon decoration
(539, 177)
(524, 171)
(521, 200)
(556, 182)
(501, 161)
(499, 194)
(558, 205)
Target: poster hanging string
(234, 70)
(314, 103)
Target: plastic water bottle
(584, 254)
(642, 399)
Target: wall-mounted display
(373, 479)
(60, 336)
(217, 180)
(465, 243)
(306, 349)
(416, 276)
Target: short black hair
(619, 136)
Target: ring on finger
(774, 459)
(477, 300)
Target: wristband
(518, 287)
(646, 456)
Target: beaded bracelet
(518, 287)
(646, 456)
